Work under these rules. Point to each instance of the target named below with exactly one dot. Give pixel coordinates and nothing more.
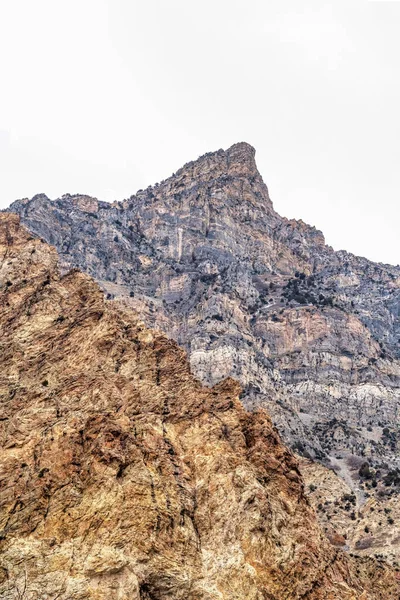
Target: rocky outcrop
(310, 333)
(122, 477)
(357, 521)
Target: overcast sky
(106, 97)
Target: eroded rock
(122, 477)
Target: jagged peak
(238, 160)
(241, 150)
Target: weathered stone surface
(310, 333)
(123, 478)
(361, 522)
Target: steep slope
(122, 477)
(369, 527)
(310, 333)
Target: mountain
(122, 477)
(310, 333)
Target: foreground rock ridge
(310, 333)
(122, 477)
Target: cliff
(122, 477)
(311, 334)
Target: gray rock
(312, 334)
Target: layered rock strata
(310, 333)
(122, 477)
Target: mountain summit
(310, 333)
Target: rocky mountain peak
(242, 156)
(312, 334)
(238, 160)
(217, 169)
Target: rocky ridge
(310, 333)
(122, 477)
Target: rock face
(310, 333)
(123, 478)
(366, 526)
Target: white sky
(106, 97)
